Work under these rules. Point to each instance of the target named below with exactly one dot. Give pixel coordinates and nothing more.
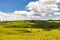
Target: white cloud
(57, 13)
(39, 10)
(57, 1)
(13, 16)
(44, 8)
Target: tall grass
(30, 30)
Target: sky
(12, 5)
(11, 10)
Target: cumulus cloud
(56, 13)
(17, 15)
(39, 10)
(44, 8)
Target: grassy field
(29, 34)
(30, 30)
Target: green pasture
(28, 34)
(30, 30)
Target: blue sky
(13, 5)
(38, 10)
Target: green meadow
(30, 30)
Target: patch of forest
(45, 24)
